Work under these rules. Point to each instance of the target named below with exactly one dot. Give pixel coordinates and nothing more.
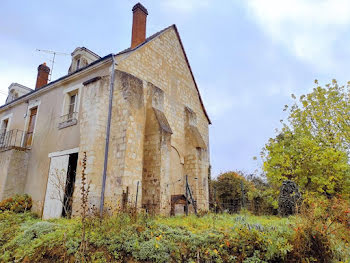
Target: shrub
(232, 191)
(17, 204)
(211, 238)
(322, 231)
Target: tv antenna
(53, 53)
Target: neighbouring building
(158, 132)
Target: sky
(247, 56)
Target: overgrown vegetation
(18, 203)
(233, 191)
(210, 238)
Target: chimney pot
(138, 25)
(43, 76)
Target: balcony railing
(12, 138)
(68, 120)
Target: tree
(234, 190)
(228, 191)
(313, 146)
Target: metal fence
(68, 120)
(12, 138)
(256, 206)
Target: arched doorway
(177, 183)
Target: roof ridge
(183, 50)
(88, 50)
(22, 86)
(146, 40)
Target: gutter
(108, 130)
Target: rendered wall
(48, 138)
(13, 172)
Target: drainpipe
(108, 129)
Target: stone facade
(163, 63)
(158, 134)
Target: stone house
(137, 115)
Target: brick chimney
(43, 76)
(138, 25)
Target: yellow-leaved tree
(313, 145)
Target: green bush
(233, 191)
(211, 238)
(17, 204)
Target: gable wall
(162, 62)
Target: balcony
(12, 139)
(67, 120)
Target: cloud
(309, 29)
(185, 6)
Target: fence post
(186, 196)
(243, 195)
(137, 193)
(215, 203)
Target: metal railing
(12, 138)
(68, 120)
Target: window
(3, 130)
(71, 108)
(4, 125)
(31, 126)
(69, 113)
(78, 63)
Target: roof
(87, 50)
(57, 80)
(19, 85)
(126, 51)
(183, 49)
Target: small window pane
(72, 106)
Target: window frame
(7, 117)
(65, 120)
(3, 130)
(31, 106)
(71, 110)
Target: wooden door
(31, 125)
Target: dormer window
(81, 57)
(15, 91)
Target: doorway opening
(70, 182)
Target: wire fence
(190, 203)
(256, 205)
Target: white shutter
(55, 187)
